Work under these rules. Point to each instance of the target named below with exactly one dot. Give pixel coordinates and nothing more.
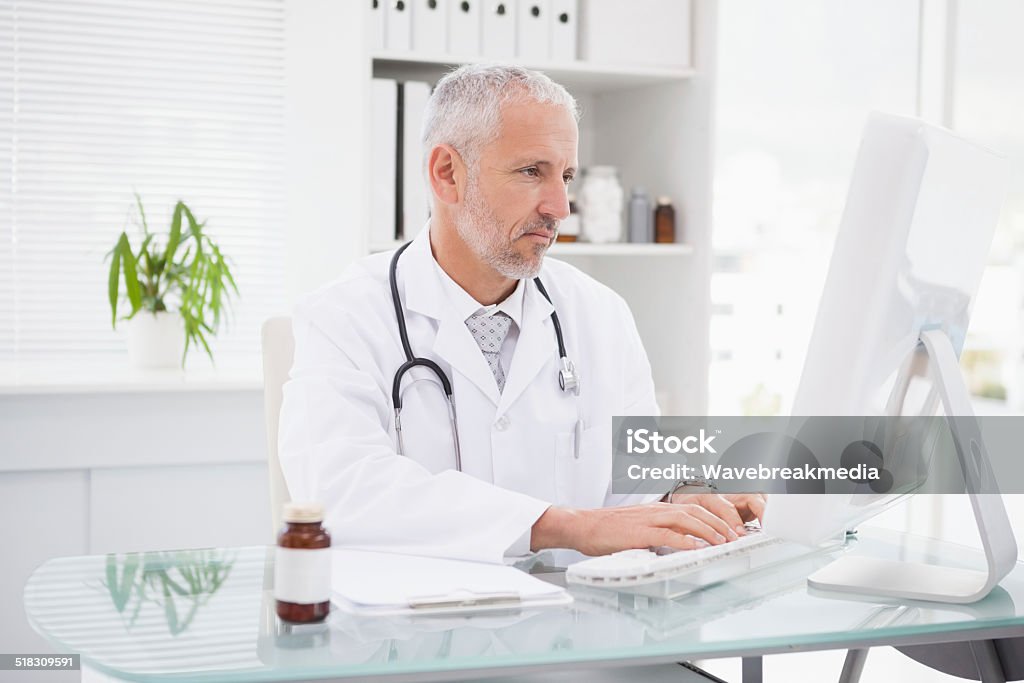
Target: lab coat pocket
(582, 476)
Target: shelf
(587, 249)
(115, 376)
(578, 76)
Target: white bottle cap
(663, 200)
(303, 512)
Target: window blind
(173, 99)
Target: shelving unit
(653, 124)
(577, 76)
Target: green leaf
(222, 263)
(131, 277)
(170, 609)
(142, 213)
(194, 227)
(113, 282)
(215, 299)
(149, 263)
(202, 340)
(187, 317)
(145, 245)
(175, 238)
(174, 585)
(120, 587)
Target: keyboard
(666, 572)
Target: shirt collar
(466, 306)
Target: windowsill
(115, 375)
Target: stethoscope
(568, 380)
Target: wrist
(687, 487)
(558, 527)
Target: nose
(554, 201)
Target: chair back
(278, 346)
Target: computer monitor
(915, 235)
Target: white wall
(326, 112)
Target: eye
(531, 171)
(568, 178)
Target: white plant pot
(156, 340)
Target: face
(518, 194)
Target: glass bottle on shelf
(569, 229)
(641, 217)
(601, 203)
(664, 222)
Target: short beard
(483, 232)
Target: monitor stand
(918, 581)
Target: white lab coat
(337, 434)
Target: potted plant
(177, 288)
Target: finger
(726, 511)
(750, 506)
(693, 519)
(673, 539)
(757, 504)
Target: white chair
(278, 350)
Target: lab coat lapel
(535, 347)
(454, 342)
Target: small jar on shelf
(601, 203)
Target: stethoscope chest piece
(568, 380)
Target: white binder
(415, 209)
(564, 20)
(533, 30)
(398, 35)
(464, 28)
(376, 25)
(430, 26)
(499, 28)
(383, 159)
(639, 32)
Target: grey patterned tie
(490, 331)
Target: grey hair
(464, 110)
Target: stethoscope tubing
(411, 361)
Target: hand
(734, 508)
(686, 526)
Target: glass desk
(208, 614)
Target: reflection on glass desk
(208, 615)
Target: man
(500, 147)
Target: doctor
(532, 467)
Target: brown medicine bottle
(664, 222)
(302, 566)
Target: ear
(446, 174)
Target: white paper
(374, 579)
